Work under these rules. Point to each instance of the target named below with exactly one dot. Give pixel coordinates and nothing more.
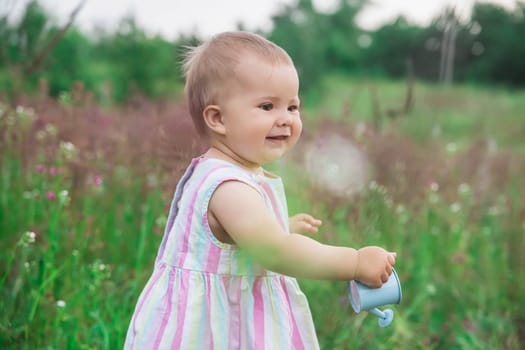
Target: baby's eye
(266, 106)
(293, 108)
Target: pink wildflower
(40, 168)
(53, 171)
(97, 180)
(51, 195)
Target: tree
(29, 43)
(295, 29)
(500, 46)
(317, 42)
(139, 63)
(393, 44)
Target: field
(84, 193)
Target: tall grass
(84, 194)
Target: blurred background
(414, 139)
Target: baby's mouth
(278, 137)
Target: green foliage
(117, 65)
(450, 114)
(29, 31)
(294, 29)
(455, 273)
(67, 63)
(114, 66)
(62, 281)
(399, 41)
(501, 40)
(303, 33)
(139, 64)
(20, 43)
(81, 226)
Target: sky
(170, 18)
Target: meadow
(85, 189)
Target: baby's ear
(213, 119)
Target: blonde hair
(209, 65)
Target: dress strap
(174, 207)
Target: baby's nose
(284, 118)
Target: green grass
(458, 277)
(451, 114)
(74, 284)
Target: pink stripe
(184, 249)
(258, 315)
(268, 190)
(166, 316)
(214, 255)
(233, 290)
(208, 341)
(297, 342)
(181, 310)
(154, 280)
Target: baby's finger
(308, 227)
(312, 221)
(384, 278)
(392, 258)
(317, 222)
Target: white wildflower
(10, 120)
(464, 188)
(51, 130)
(431, 289)
(63, 197)
(152, 180)
(29, 238)
(161, 221)
(494, 210)
(360, 129)
(451, 147)
(455, 207)
(27, 195)
(40, 135)
(68, 150)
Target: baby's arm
(304, 223)
(242, 213)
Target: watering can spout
(384, 318)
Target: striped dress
(206, 294)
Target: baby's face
(260, 109)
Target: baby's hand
(304, 223)
(374, 266)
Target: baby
(224, 277)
